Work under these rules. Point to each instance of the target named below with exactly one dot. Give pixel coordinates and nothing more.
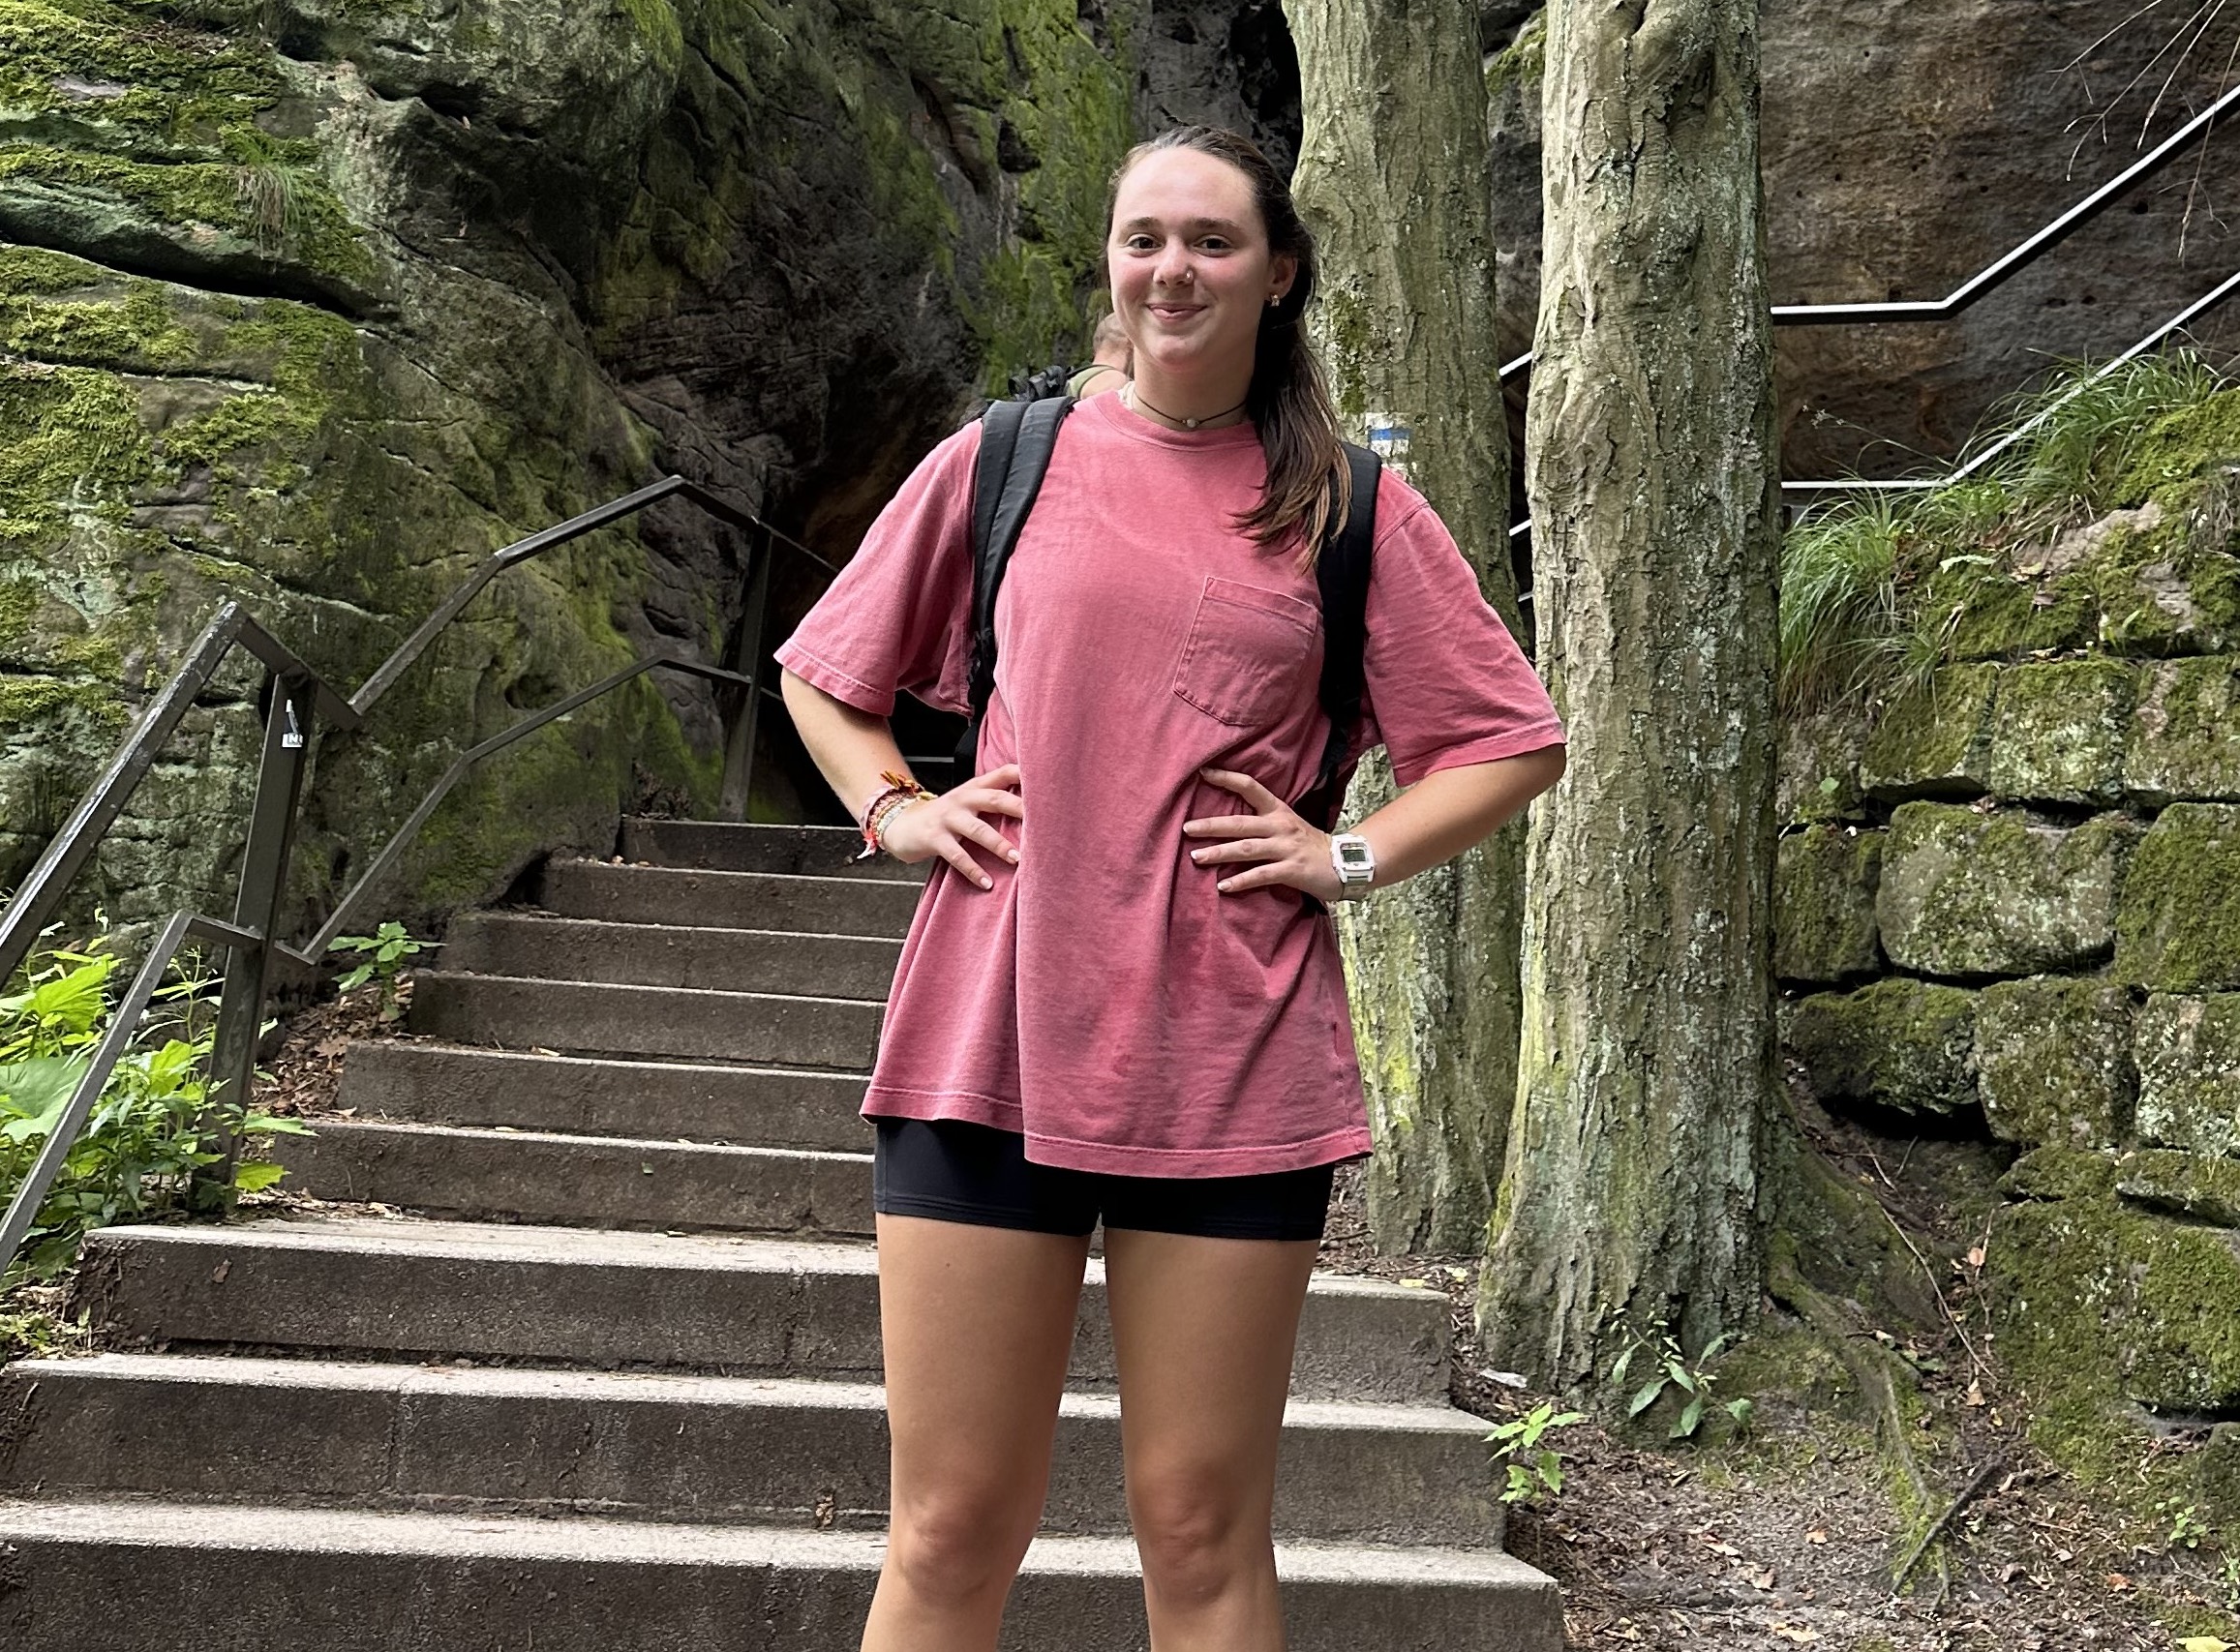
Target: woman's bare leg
(977, 1323)
(1203, 1330)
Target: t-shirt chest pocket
(1246, 652)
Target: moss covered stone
(1966, 893)
(2178, 929)
(1935, 742)
(2057, 1171)
(1903, 1044)
(2188, 1185)
(1819, 768)
(2185, 736)
(2187, 1051)
(2059, 729)
(2053, 1061)
(2097, 1303)
(2158, 578)
(1823, 881)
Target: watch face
(1355, 857)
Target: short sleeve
(900, 615)
(1446, 684)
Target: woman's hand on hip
(1288, 850)
(944, 825)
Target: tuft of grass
(1854, 623)
(2082, 430)
(1838, 598)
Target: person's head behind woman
(1248, 306)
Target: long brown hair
(1309, 487)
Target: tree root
(1874, 1369)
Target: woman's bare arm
(1450, 809)
(852, 748)
(1431, 822)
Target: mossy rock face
(2053, 1061)
(348, 297)
(1902, 1044)
(2187, 1051)
(2184, 738)
(2188, 1185)
(1935, 742)
(1823, 881)
(2090, 1292)
(1819, 768)
(2059, 731)
(1967, 894)
(2179, 926)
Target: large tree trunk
(1392, 177)
(1634, 1181)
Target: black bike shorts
(952, 1171)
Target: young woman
(1141, 1019)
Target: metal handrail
(1996, 273)
(1992, 275)
(62, 1134)
(381, 863)
(35, 899)
(301, 699)
(2208, 300)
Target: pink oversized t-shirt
(1105, 999)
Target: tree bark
(1392, 177)
(1633, 1184)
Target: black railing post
(263, 887)
(738, 742)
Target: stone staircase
(613, 1385)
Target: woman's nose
(1173, 268)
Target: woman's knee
(1198, 1533)
(961, 1544)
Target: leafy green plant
(382, 957)
(150, 1131)
(1676, 1372)
(2187, 1531)
(1533, 1469)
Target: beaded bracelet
(900, 790)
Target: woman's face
(1190, 266)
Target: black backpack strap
(1017, 439)
(1343, 572)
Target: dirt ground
(1790, 1536)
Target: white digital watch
(1354, 862)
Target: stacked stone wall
(2009, 903)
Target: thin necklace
(1135, 399)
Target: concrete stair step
(156, 1576)
(603, 1181)
(719, 846)
(726, 1304)
(670, 1447)
(647, 955)
(728, 900)
(601, 1018)
(757, 1107)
